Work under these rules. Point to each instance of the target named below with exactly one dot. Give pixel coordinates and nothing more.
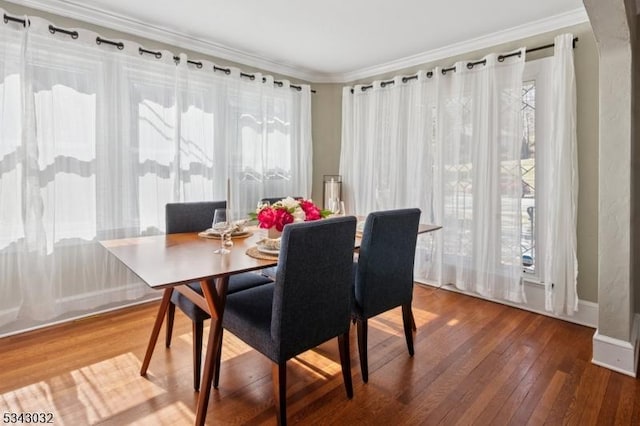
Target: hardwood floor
(475, 362)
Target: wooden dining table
(169, 262)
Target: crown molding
(128, 25)
(96, 16)
(530, 29)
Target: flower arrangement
(287, 210)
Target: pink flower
(287, 211)
(282, 217)
(267, 218)
(311, 212)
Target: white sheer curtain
(561, 177)
(95, 140)
(12, 156)
(272, 127)
(450, 145)
(480, 128)
(387, 151)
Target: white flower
(298, 214)
(289, 203)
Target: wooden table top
(424, 228)
(165, 260)
(168, 260)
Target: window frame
(539, 71)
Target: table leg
(215, 298)
(166, 298)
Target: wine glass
(222, 224)
(228, 242)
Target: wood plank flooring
(475, 362)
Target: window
(536, 96)
(528, 170)
(94, 142)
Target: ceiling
(329, 40)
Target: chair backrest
(272, 200)
(190, 217)
(311, 302)
(384, 277)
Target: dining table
(170, 262)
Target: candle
(332, 190)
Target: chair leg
(345, 363)
(171, 313)
(362, 347)
(407, 320)
(198, 327)
(216, 371)
(279, 379)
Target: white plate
(266, 250)
(215, 233)
(210, 233)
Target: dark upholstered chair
(308, 304)
(192, 217)
(384, 273)
(273, 200)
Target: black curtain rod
(118, 44)
(53, 30)
(8, 18)
(142, 51)
(470, 65)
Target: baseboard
(617, 355)
(32, 325)
(586, 315)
